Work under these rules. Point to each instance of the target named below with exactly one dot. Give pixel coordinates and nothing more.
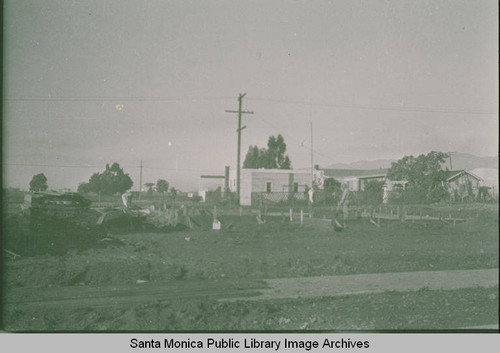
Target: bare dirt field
(397, 276)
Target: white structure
(269, 181)
(355, 179)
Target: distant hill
(377, 164)
(459, 161)
(469, 161)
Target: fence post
(291, 215)
(301, 216)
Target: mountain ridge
(459, 160)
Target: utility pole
(451, 165)
(140, 180)
(240, 112)
(312, 163)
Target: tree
(150, 187)
(425, 175)
(162, 185)
(331, 186)
(38, 183)
(271, 158)
(113, 180)
(374, 192)
(83, 188)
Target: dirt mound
(53, 237)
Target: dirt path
(231, 290)
(90, 296)
(325, 286)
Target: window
(268, 186)
(295, 187)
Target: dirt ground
(176, 280)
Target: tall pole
(238, 162)
(312, 162)
(238, 159)
(451, 165)
(140, 180)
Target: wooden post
(301, 216)
(291, 215)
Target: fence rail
(277, 198)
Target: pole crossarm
(238, 112)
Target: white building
(269, 181)
(356, 179)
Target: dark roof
(212, 176)
(342, 173)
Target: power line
(107, 99)
(272, 100)
(100, 166)
(366, 107)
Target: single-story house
(356, 179)
(462, 184)
(275, 182)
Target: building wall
(254, 180)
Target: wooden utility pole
(140, 180)
(312, 162)
(240, 112)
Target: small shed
(462, 184)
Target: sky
(93, 82)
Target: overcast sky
(378, 79)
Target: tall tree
(38, 183)
(111, 181)
(271, 158)
(162, 185)
(425, 175)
